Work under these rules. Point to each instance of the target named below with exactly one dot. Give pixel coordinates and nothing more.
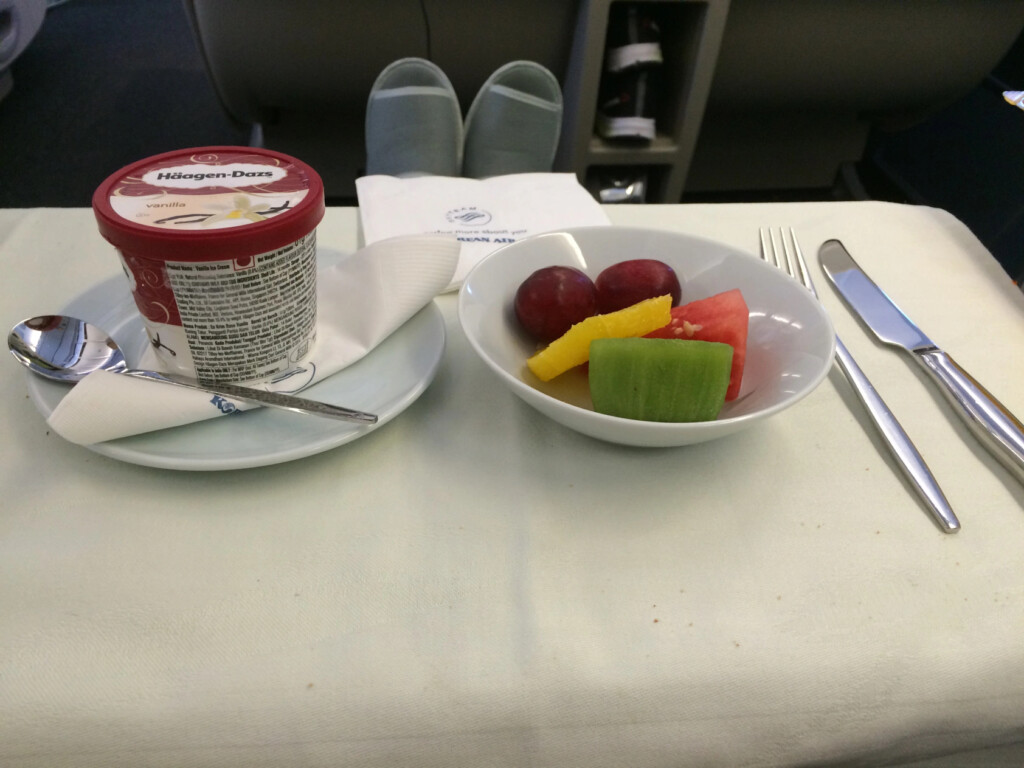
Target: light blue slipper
(514, 122)
(413, 122)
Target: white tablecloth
(474, 585)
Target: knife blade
(998, 430)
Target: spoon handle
(260, 397)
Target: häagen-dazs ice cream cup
(219, 247)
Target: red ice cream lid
(209, 203)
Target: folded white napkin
(484, 214)
(360, 302)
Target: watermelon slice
(724, 318)
(664, 380)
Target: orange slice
(573, 347)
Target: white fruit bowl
(790, 344)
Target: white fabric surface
(483, 214)
(360, 302)
(474, 585)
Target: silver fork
(787, 256)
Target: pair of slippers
(414, 124)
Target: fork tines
(793, 262)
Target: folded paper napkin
(484, 214)
(360, 302)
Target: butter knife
(998, 430)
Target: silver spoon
(68, 349)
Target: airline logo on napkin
(471, 217)
(475, 218)
(483, 214)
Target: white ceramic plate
(385, 382)
(790, 343)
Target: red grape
(628, 282)
(552, 300)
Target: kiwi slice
(659, 379)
